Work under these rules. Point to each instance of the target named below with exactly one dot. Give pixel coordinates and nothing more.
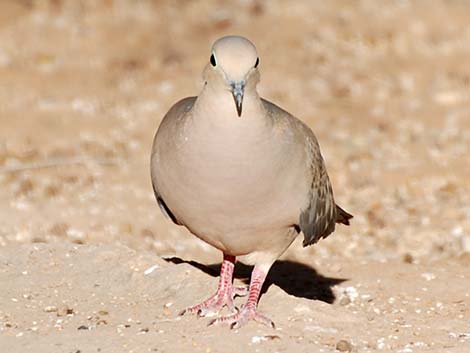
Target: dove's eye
(256, 63)
(213, 63)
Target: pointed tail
(342, 216)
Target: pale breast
(231, 184)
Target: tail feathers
(342, 216)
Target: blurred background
(384, 85)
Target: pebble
(344, 346)
(151, 269)
(50, 309)
(64, 310)
(344, 301)
(428, 276)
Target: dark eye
(213, 63)
(256, 63)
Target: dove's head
(233, 67)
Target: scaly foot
(248, 312)
(216, 303)
(225, 293)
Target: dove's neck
(217, 106)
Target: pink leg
(249, 310)
(224, 295)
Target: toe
(258, 317)
(209, 311)
(242, 317)
(211, 307)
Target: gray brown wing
(318, 220)
(177, 111)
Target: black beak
(238, 89)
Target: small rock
(344, 346)
(64, 310)
(151, 269)
(428, 276)
(50, 309)
(257, 339)
(344, 301)
(408, 258)
(351, 292)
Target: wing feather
(177, 111)
(318, 220)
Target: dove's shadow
(294, 278)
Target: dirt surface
(83, 87)
(109, 298)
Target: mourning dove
(241, 174)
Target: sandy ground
(109, 298)
(83, 86)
